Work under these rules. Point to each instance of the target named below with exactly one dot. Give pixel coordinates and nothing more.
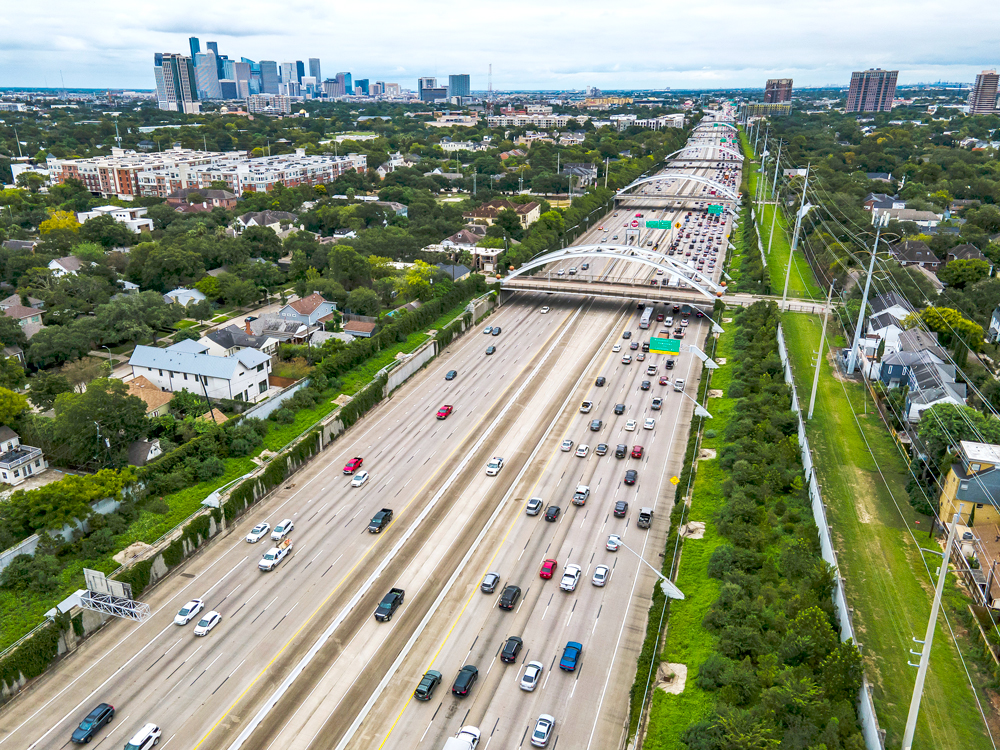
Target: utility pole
(774, 208)
(800, 214)
(852, 359)
(819, 355)
(606, 161)
(925, 652)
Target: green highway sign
(657, 224)
(668, 346)
(715, 210)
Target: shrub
(38, 574)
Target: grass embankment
(687, 640)
(886, 582)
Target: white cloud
(642, 44)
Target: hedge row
(32, 657)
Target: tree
(364, 301)
(164, 267)
(11, 333)
(236, 291)
(134, 317)
(201, 310)
(54, 345)
(59, 220)
(38, 574)
(85, 369)
(107, 232)
(97, 426)
(961, 273)
(348, 267)
(944, 425)
(209, 286)
(418, 280)
(262, 242)
(30, 180)
(11, 373)
(955, 328)
(45, 386)
(11, 405)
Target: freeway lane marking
(561, 329)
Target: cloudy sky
(531, 44)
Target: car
(511, 649)
(634, 345)
(360, 479)
(428, 683)
(685, 322)
(509, 597)
(640, 357)
(600, 382)
(664, 380)
(619, 408)
(596, 425)
(532, 674)
(656, 404)
(582, 451)
(490, 582)
(645, 385)
(649, 423)
(616, 348)
(548, 569)
(451, 375)
(488, 330)
(627, 359)
(630, 425)
(572, 271)
(534, 506)
(679, 384)
(621, 509)
(561, 272)
(496, 330)
(631, 475)
(542, 731)
(490, 350)
(621, 450)
(669, 364)
(493, 466)
(282, 530)
(145, 738)
(650, 369)
(467, 677)
(552, 513)
(586, 406)
(258, 532)
(571, 656)
(601, 575)
(659, 316)
(209, 621)
(444, 411)
(613, 543)
(188, 612)
(601, 449)
(353, 465)
(637, 451)
(544, 310)
(566, 445)
(96, 719)
(570, 578)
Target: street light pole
(799, 215)
(666, 585)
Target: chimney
(246, 327)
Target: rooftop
(981, 452)
(178, 358)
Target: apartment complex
(872, 90)
(533, 120)
(983, 99)
(778, 91)
(269, 104)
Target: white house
(67, 266)
(133, 218)
(183, 296)
(18, 462)
(186, 366)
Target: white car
(668, 321)
(627, 359)
(566, 446)
(258, 532)
(570, 577)
(616, 348)
(488, 330)
(630, 425)
(188, 612)
(586, 406)
(651, 370)
(532, 675)
(545, 309)
(282, 529)
(601, 575)
(542, 731)
(360, 478)
(493, 466)
(208, 622)
(614, 542)
(649, 424)
(582, 451)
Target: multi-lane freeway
(298, 661)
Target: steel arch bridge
(714, 124)
(718, 186)
(724, 149)
(669, 266)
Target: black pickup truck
(380, 520)
(389, 604)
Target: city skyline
(64, 46)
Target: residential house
(918, 340)
(893, 303)
(882, 176)
(284, 331)
(926, 219)
(973, 481)
(208, 198)
(993, 334)
(882, 201)
(485, 258)
(914, 253)
(15, 300)
(67, 266)
(312, 310)
(396, 161)
(527, 213)
(132, 217)
(187, 366)
(183, 297)
(584, 174)
(18, 462)
(455, 272)
(141, 452)
(156, 400)
(360, 328)
(16, 352)
(400, 209)
(225, 342)
(276, 221)
(20, 245)
(931, 383)
(895, 366)
(29, 318)
(966, 252)
(128, 287)
(885, 327)
(462, 240)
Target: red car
(548, 569)
(637, 451)
(659, 318)
(353, 465)
(444, 411)
(664, 380)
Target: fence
(866, 708)
(265, 408)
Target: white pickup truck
(275, 555)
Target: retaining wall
(417, 359)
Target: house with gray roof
(931, 383)
(914, 253)
(967, 252)
(225, 342)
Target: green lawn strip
(181, 324)
(886, 582)
(687, 641)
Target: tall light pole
(852, 359)
(819, 356)
(800, 214)
(666, 585)
(774, 192)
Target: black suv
(645, 346)
(552, 513)
(96, 719)
(621, 450)
(427, 685)
(627, 335)
(619, 408)
(621, 508)
(595, 425)
(670, 364)
(496, 331)
(645, 385)
(511, 649)
(600, 382)
(509, 597)
(467, 677)
(634, 345)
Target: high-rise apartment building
(872, 90)
(778, 91)
(212, 47)
(391, 89)
(345, 79)
(426, 83)
(176, 89)
(300, 70)
(983, 99)
(195, 46)
(269, 81)
(206, 74)
(433, 94)
(377, 88)
(362, 83)
(314, 69)
(458, 85)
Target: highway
(298, 661)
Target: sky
(643, 44)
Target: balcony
(18, 457)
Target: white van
(145, 738)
